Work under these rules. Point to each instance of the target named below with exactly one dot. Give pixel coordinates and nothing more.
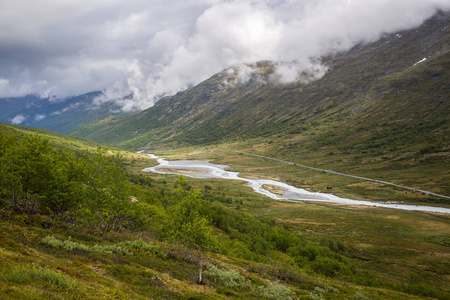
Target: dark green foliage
(141, 180)
(188, 226)
(35, 178)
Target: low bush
(230, 279)
(110, 249)
(141, 245)
(52, 279)
(275, 292)
(69, 245)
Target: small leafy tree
(190, 228)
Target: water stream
(205, 169)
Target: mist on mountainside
(153, 49)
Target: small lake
(274, 189)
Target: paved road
(340, 174)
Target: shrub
(69, 245)
(359, 296)
(110, 249)
(226, 291)
(52, 241)
(275, 292)
(66, 245)
(18, 275)
(330, 267)
(21, 276)
(227, 278)
(143, 246)
(282, 271)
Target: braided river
(285, 192)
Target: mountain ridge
(59, 115)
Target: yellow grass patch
(364, 246)
(431, 225)
(346, 206)
(257, 176)
(298, 221)
(181, 171)
(273, 189)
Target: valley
(291, 250)
(240, 187)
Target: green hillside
(381, 111)
(57, 140)
(90, 225)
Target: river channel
(285, 192)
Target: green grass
(409, 248)
(368, 253)
(395, 252)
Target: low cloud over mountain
(156, 48)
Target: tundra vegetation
(89, 224)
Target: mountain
(60, 115)
(401, 79)
(383, 105)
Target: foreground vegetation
(90, 224)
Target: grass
(391, 244)
(319, 181)
(395, 253)
(400, 250)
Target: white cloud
(39, 117)
(19, 119)
(303, 71)
(154, 48)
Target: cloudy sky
(158, 47)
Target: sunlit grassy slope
(57, 140)
(391, 254)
